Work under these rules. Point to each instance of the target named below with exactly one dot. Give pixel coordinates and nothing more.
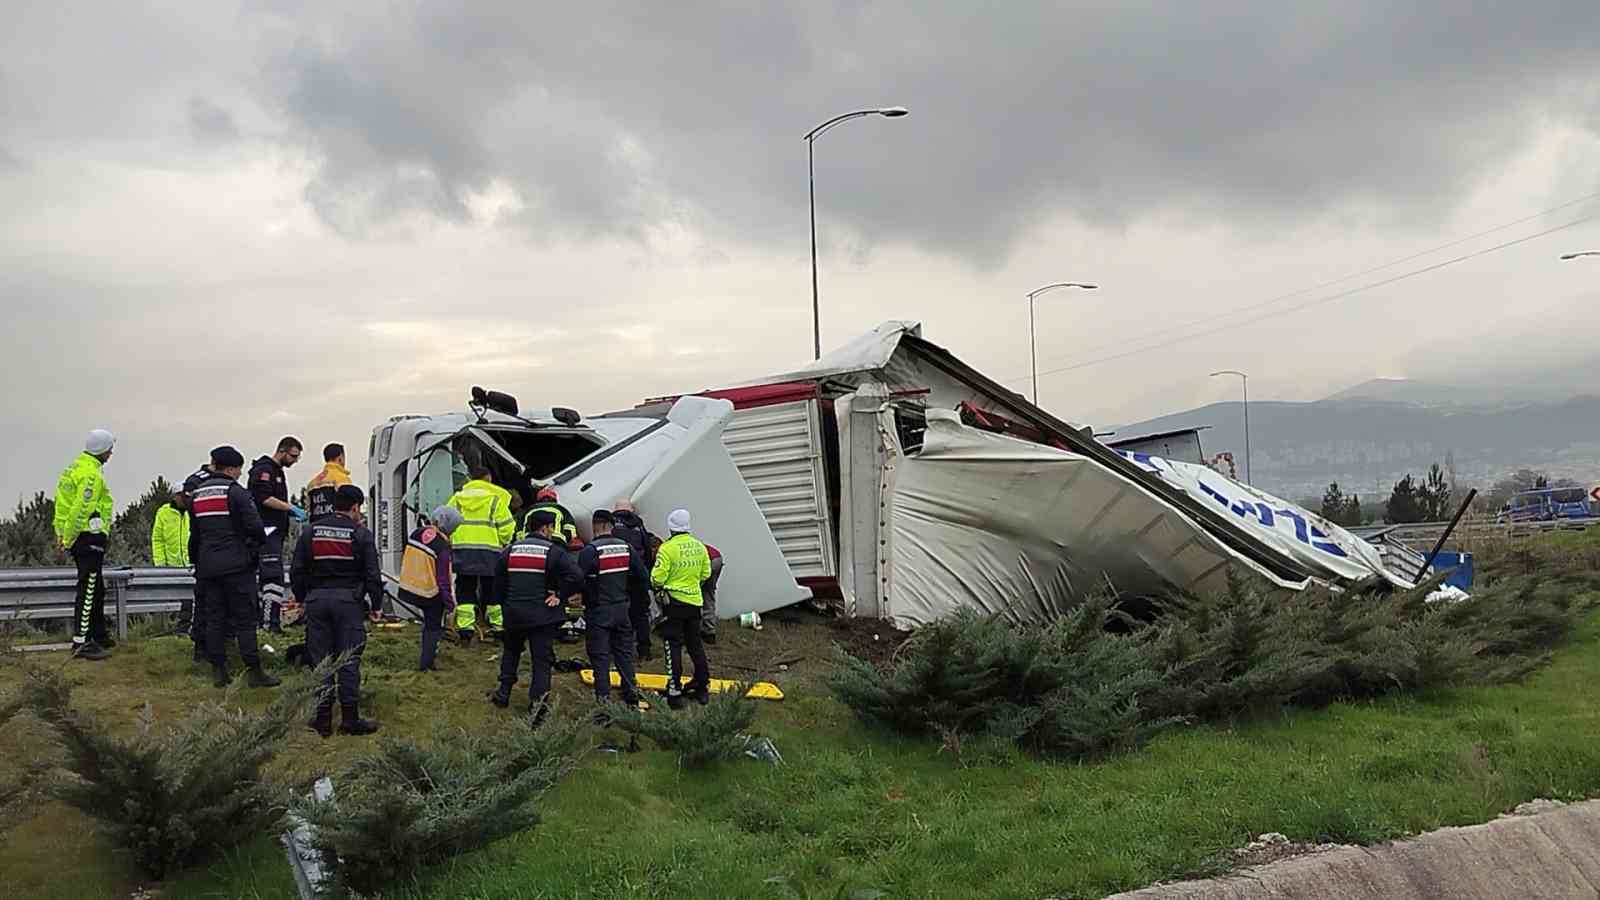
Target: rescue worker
(566, 528)
(335, 567)
(169, 547)
(630, 528)
(425, 581)
(270, 490)
(224, 539)
(534, 575)
(682, 566)
(321, 487)
(610, 566)
(83, 524)
(708, 612)
(486, 529)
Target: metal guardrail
(47, 593)
(1427, 532)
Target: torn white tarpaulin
(1014, 528)
(1309, 539)
(1018, 529)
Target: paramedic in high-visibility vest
(425, 580)
(321, 487)
(169, 547)
(486, 528)
(682, 566)
(83, 526)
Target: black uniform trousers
(541, 640)
(336, 622)
(608, 637)
(89, 599)
(639, 618)
(680, 630)
(269, 571)
(228, 604)
(432, 611)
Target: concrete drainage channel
(1543, 850)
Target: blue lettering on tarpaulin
(1299, 524)
(1208, 489)
(1325, 545)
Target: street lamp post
(889, 112)
(1581, 253)
(1244, 383)
(1033, 343)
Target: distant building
(1182, 445)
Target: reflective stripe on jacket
(83, 502)
(682, 564)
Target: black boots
(350, 721)
(89, 650)
(323, 723)
(256, 678)
(500, 697)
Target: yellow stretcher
(761, 690)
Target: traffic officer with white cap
(682, 565)
(83, 525)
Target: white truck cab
(658, 462)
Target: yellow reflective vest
(83, 502)
(486, 520)
(682, 564)
(169, 539)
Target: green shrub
(171, 797)
(701, 735)
(1070, 687)
(409, 805)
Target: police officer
(682, 566)
(335, 568)
(223, 543)
(321, 487)
(197, 623)
(270, 490)
(82, 523)
(486, 528)
(630, 528)
(566, 527)
(609, 566)
(535, 573)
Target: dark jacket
(266, 480)
(609, 565)
(630, 529)
(531, 570)
(337, 553)
(226, 534)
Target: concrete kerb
(1552, 854)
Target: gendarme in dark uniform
(535, 575)
(610, 566)
(224, 541)
(335, 574)
(267, 481)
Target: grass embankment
(857, 808)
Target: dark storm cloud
(611, 118)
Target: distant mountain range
(1369, 436)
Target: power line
(1321, 300)
(1337, 281)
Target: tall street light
(1244, 382)
(1033, 344)
(1583, 253)
(889, 112)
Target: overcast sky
(222, 223)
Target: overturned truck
(910, 483)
